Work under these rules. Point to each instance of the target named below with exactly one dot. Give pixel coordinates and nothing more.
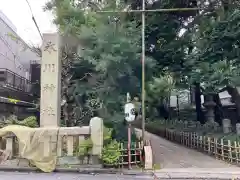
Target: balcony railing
(12, 80)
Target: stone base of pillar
(226, 126)
(95, 159)
(238, 128)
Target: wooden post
(215, 147)
(222, 150)
(197, 141)
(201, 142)
(148, 158)
(209, 145)
(236, 151)
(229, 151)
(204, 143)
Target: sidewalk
(193, 173)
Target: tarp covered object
(31, 145)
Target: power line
(151, 10)
(34, 20)
(29, 7)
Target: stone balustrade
(64, 142)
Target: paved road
(171, 155)
(68, 176)
(72, 176)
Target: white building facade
(15, 54)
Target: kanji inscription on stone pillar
(50, 81)
(48, 67)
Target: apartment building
(15, 58)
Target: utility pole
(143, 71)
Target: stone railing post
(70, 144)
(9, 145)
(96, 130)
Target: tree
(217, 58)
(158, 95)
(110, 51)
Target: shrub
(30, 121)
(111, 153)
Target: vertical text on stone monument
(49, 68)
(50, 80)
(49, 87)
(50, 47)
(48, 111)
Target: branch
(197, 18)
(85, 76)
(37, 50)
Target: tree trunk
(233, 92)
(178, 108)
(162, 111)
(218, 109)
(198, 104)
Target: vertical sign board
(50, 81)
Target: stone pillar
(209, 105)
(96, 129)
(238, 128)
(50, 81)
(185, 124)
(198, 125)
(226, 126)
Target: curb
(79, 170)
(195, 176)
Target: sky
(19, 13)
